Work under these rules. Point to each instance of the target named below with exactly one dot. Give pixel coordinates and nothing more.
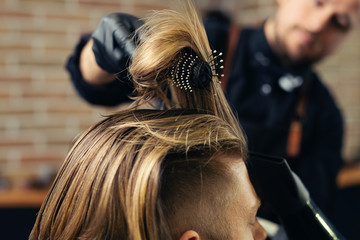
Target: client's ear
(190, 235)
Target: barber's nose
(260, 233)
(319, 21)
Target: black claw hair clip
(190, 72)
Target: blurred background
(40, 113)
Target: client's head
(159, 174)
(151, 174)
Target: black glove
(282, 190)
(114, 44)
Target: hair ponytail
(166, 34)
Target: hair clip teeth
(191, 72)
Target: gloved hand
(113, 43)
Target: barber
(271, 82)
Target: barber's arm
(91, 72)
(98, 66)
(285, 194)
(322, 160)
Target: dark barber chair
(282, 192)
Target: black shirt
(263, 93)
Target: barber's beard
(311, 59)
(286, 59)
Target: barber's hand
(113, 43)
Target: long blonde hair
(167, 33)
(133, 175)
(120, 179)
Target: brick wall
(40, 112)
(341, 72)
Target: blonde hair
(167, 33)
(134, 175)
